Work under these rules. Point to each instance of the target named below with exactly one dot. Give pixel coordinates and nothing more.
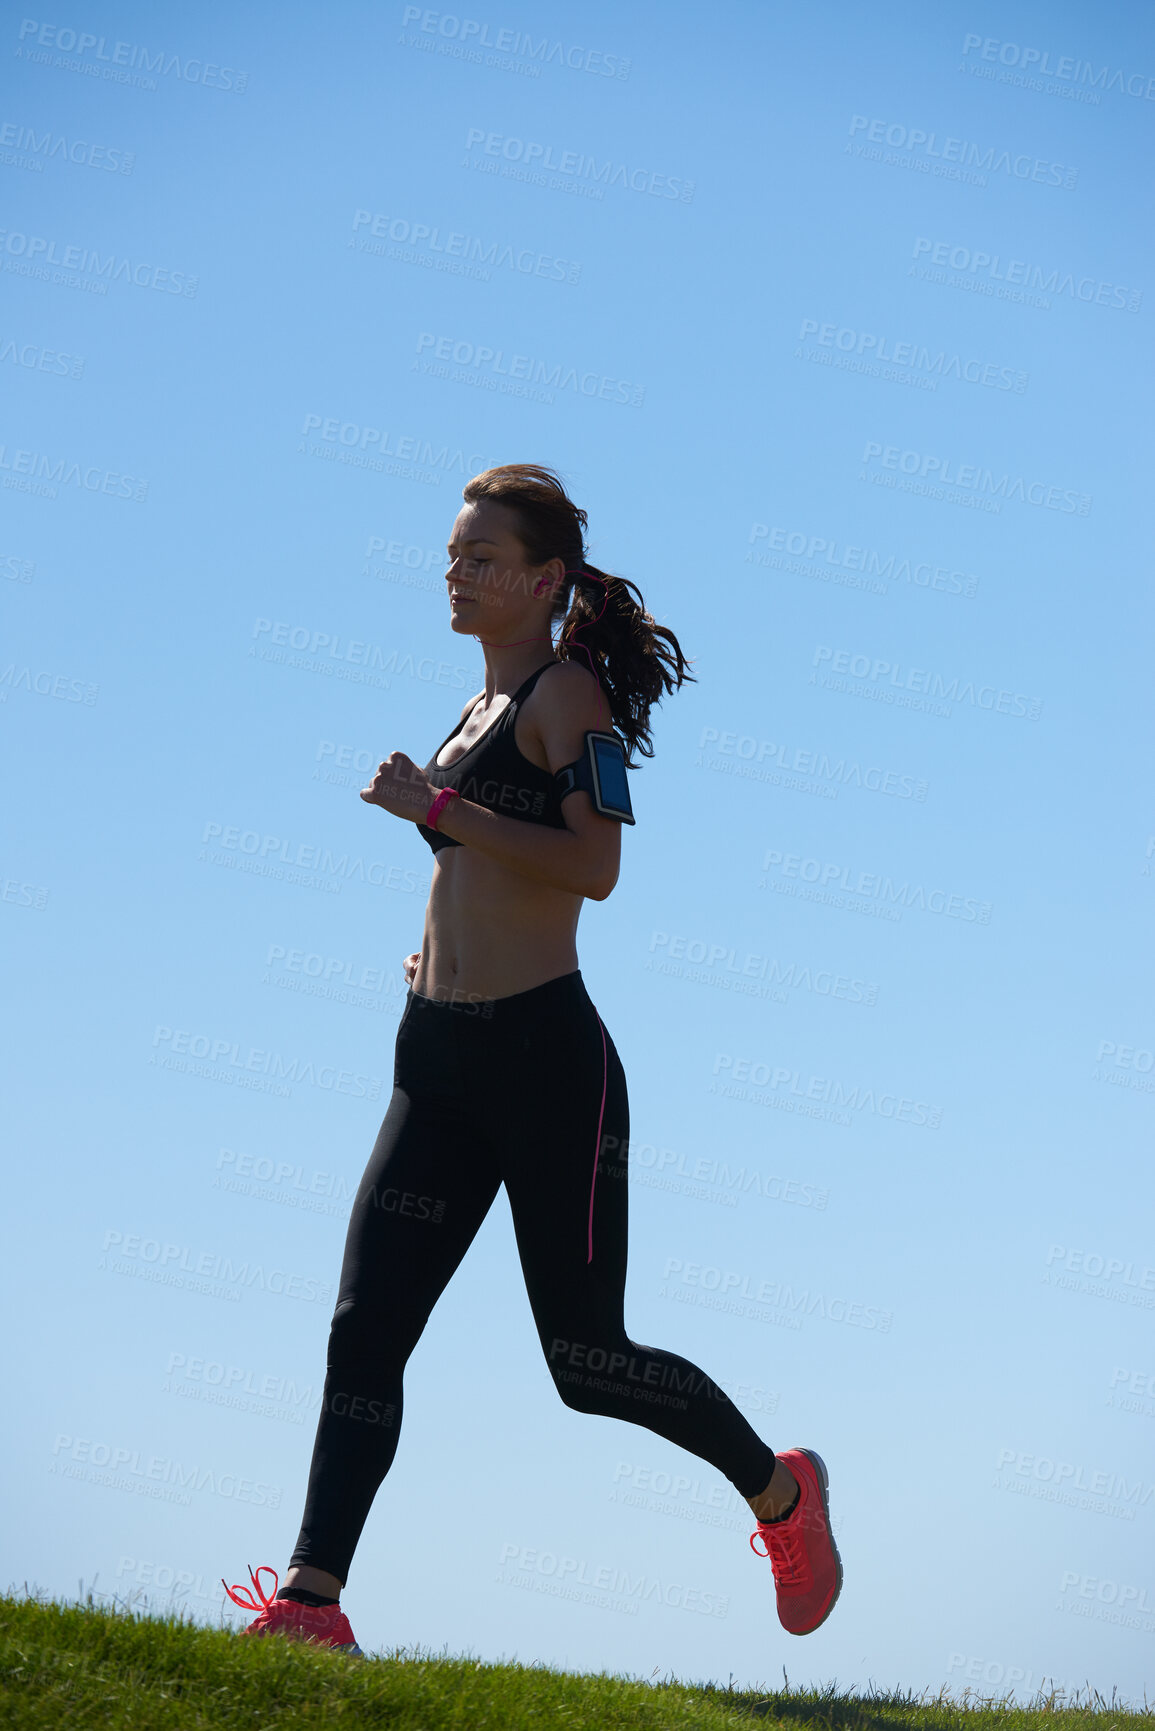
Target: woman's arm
(584, 857)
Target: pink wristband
(438, 806)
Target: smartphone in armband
(601, 771)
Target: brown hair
(631, 661)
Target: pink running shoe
(325, 1625)
(807, 1567)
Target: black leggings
(521, 1090)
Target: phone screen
(612, 776)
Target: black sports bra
(494, 773)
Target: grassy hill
(66, 1666)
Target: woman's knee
(346, 1335)
(575, 1391)
(359, 1337)
(589, 1377)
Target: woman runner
(504, 1072)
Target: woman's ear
(553, 580)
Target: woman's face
(490, 584)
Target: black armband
(601, 772)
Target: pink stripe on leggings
(597, 1147)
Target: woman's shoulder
(569, 694)
(565, 676)
(566, 685)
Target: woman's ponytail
(603, 627)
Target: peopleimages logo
(935, 364)
(210, 1272)
(493, 368)
(534, 156)
(731, 1283)
(454, 250)
(714, 956)
(1038, 60)
(262, 1062)
(36, 472)
(1066, 1477)
(973, 477)
(15, 569)
(360, 652)
(832, 880)
(234, 1384)
(179, 1583)
(49, 145)
(880, 674)
(845, 557)
(1018, 273)
(23, 894)
(230, 844)
(131, 1469)
(1095, 1264)
(1125, 1066)
(36, 252)
(826, 1090)
(360, 443)
(46, 684)
(952, 156)
(1105, 1591)
(765, 759)
(997, 1672)
(38, 359)
(603, 1582)
(333, 970)
(124, 55)
(519, 44)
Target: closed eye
(473, 564)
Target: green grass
(66, 1666)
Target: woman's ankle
(302, 1596)
(318, 1583)
(779, 1497)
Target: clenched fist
(400, 788)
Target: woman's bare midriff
(489, 931)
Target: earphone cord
(580, 571)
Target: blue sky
(861, 302)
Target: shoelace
(247, 1602)
(786, 1551)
